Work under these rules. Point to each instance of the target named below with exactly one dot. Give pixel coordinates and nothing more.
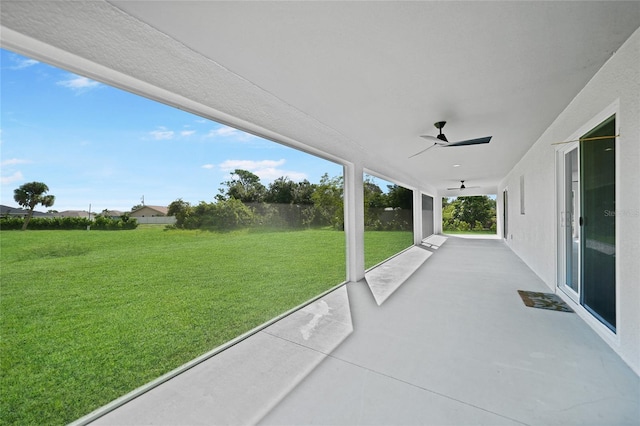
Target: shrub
(181, 210)
(11, 223)
(232, 214)
(68, 223)
(108, 224)
(222, 215)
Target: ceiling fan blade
(462, 189)
(426, 149)
(430, 138)
(471, 141)
(435, 139)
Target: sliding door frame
(603, 330)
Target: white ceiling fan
(441, 139)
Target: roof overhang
(354, 82)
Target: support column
(417, 217)
(354, 221)
(437, 214)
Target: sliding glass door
(598, 204)
(586, 234)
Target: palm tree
(31, 194)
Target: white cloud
(250, 165)
(162, 133)
(78, 83)
(16, 177)
(22, 63)
(270, 174)
(208, 166)
(223, 131)
(266, 170)
(229, 132)
(13, 161)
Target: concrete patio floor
(454, 344)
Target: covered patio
(453, 344)
(361, 84)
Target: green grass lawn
(380, 245)
(483, 232)
(86, 317)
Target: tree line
(476, 213)
(244, 201)
(30, 194)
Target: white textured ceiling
(353, 80)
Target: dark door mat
(550, 301)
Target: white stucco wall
(532, 236)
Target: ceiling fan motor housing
(439, 125)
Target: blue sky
(94, 144)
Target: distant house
(8, 211)
(150, 211)
(112, 214)
(76, 213)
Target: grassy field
(483, 232)
(86, 317)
